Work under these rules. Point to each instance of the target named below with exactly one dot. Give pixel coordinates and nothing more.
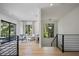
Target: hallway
(32, 49)
(55, 25)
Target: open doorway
(49, 30)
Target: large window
(48, 30)
(28, 29)
(8, 30)
(4, 29)
(12, 29)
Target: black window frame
(10, 28)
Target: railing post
(62, 43)
(17, 45)
(51, 44)
(57, 40)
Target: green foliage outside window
(7, 29)
(4, 29)
(12, 29)
(49, 30)
(28, 29)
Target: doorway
(49, 31)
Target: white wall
(69, 24)
(20, 27)
(37, 28)
(0, 27)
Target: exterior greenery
(28, 29)
(49, 30)
(4, 29)
(7, 29)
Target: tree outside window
(49, 30)
(28, 29)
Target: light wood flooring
(32, 48)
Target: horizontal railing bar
(5, 47)
(8, 42)
(7, 50)
(8, 53)
(53, 40)
(13, 51)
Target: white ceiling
(58, 11)
(30, 11)
(22, 11)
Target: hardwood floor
(32, 49)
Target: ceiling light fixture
(51, 4)
(50, 27)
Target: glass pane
(28, 29)
(49, 30)
(8, 31)
(4, 29)
(12, 31)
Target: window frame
(9, 27)
(44, 26)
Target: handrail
(53, 39)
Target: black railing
(55, 38)
(9, 48)
(70, 42)
(67, 42)
(62, 43)
(17, 45)
(58, 44)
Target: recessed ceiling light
(51, 4)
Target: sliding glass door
(12, 31)
(4, 29)
(8, 30)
